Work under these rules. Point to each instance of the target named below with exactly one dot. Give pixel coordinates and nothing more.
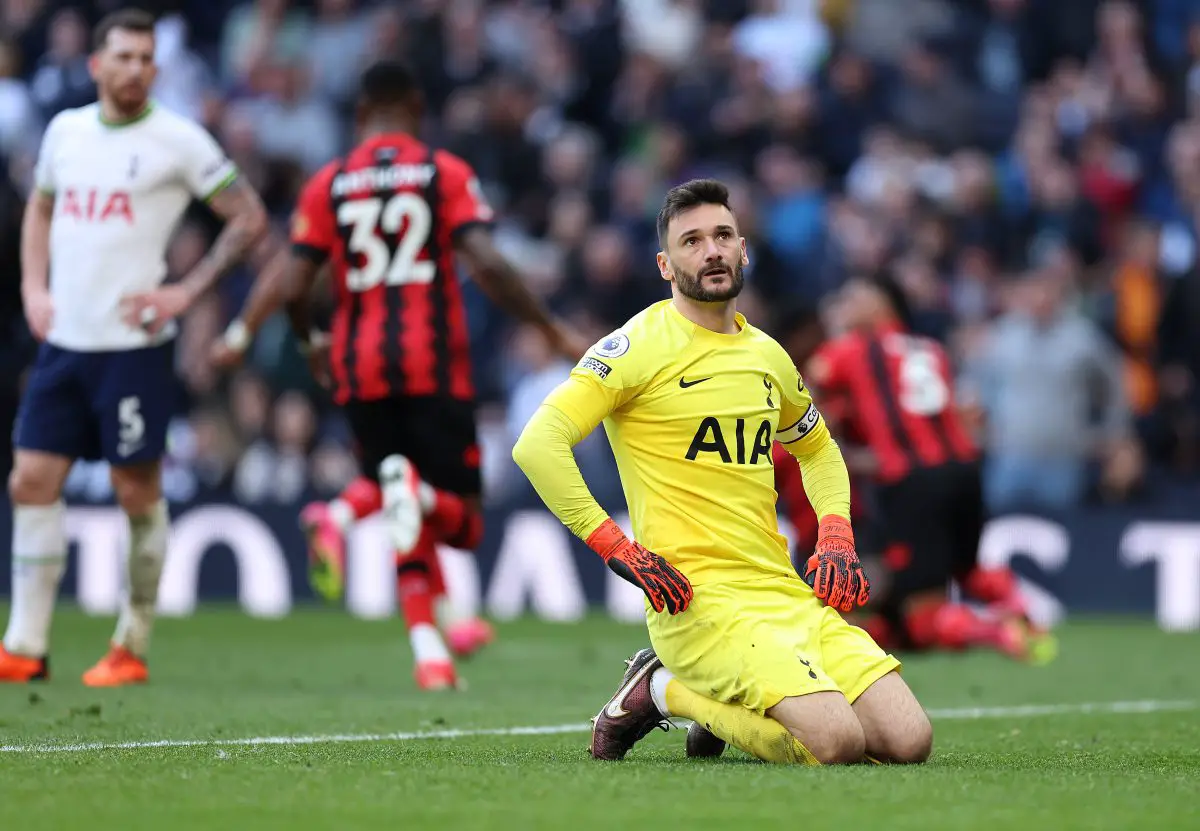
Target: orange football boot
(118, 668)
(18, 669)
(436, 675)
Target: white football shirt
(119, 191)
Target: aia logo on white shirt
(92, 205)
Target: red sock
(437, 579)
(414, 583)
(990, 585)
(998, 588)
(951, 626)
(363, 496)
(456, 522)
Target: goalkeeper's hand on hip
(664, 585)
(834, 571)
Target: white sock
(342, 514)
(427, 643)
(658, 689)
(448, 613)
(39, 558)
(147, 552)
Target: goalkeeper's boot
(19, 669)
(630, 714)
(118, 668)
(702, 744)
(467, 637)
(326, 551)
(436, 675)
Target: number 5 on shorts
(131, 427)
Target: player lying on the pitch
(692, 398)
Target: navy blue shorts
(98, 405)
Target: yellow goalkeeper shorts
(758, 642)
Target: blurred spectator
(61, 79)
(183, 77)
(1041, 435)
(932, 101)
(786, 39)
(20, 123)
(336, 56)
(291, 125)
(16, 344)
(666, 30)
(1028, 171)
(274, 467)
(261, 32)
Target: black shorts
(436, 434)
(932, 520)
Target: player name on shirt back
(382, 178)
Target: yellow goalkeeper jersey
(691, 415)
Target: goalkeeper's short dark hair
(687, 196)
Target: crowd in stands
(1027, 170)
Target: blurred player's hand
(663, 584)
(152, 310)
(39, 312)
(230, 350)
(834, 570)
(224, 356)
(316, 352)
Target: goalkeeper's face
(705, 256)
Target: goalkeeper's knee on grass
(760, 736)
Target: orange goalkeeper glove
(834, 570)
(664, 585)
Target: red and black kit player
(393, 219)
(893, 391)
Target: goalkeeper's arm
(544, 452)
(834, 570)
(826, 480)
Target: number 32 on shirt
(405, 216)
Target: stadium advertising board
(1092, 561)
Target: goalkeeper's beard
(692, 285)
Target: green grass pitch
(1016, 747)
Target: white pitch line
(959, 714)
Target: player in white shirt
(113, 180)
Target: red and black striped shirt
(895, 393)
(386, 217)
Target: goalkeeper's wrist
(835, 525)
(607, 539)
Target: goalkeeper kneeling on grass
(692, 397)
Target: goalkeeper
(692, 398)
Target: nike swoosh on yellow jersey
(685, 384)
